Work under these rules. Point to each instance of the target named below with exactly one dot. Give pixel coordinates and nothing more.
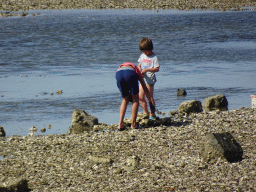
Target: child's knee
(142, 98)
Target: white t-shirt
(149, 62)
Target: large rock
(215, 102)
(216, 145)
(14, 184)
(190, 106)
(2, 132)
(82, 122)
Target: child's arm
(150, 100)
(139, 66)
(153, 70)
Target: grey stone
(181, 92)
(2, 132)
(82, 122)
(215, 102)
(220, 145)
(190, 106)
(12, 185)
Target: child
(148, 64)
(128, 76)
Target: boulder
(216, 145)
(190, 107)
(181, 92)
(14, 184)
(2, 132)
(215, 102)
(82, 122)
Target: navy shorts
(127, 81)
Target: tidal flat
(25, 5)
(161, 158)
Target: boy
(148, 64)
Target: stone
(166, 121)
(2, 132)
(43, 130)
(132, 163)
(220, 145)
(98, 160)
(33, 129)
(24, 14)
(215, 102)
(82, 122)
(190, 106)
(19, 184)
(181, 92)
(59, 92)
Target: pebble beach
(162, 158)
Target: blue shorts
(127, 81)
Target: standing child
(148, 64)
(128, 76)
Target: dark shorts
(127, 81)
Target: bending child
(148, 64)
(128, 77)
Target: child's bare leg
(143, 100)
(123, 108)
(135, 107)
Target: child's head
(145, 44)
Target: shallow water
(78, 51)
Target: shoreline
(9, 8)
(158, 158)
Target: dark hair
(145, 44)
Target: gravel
(160, 158)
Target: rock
(190, 106)
(2, 132)
(19, 184)
(43, 130)
(166, 121)
(81, 122)
(215, 102)
(33, 129)
(181, 92)
(221, 145)
(132, 163)
(24, 14)
(59, 92)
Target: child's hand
(144, 71)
